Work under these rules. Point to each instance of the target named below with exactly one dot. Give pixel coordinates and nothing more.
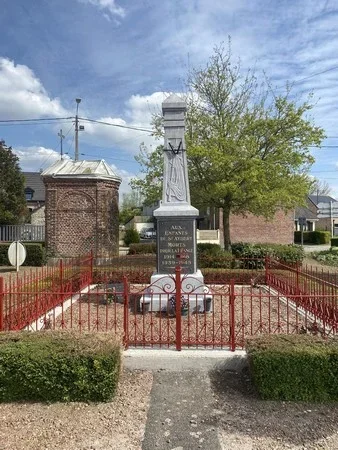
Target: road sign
(16, 254)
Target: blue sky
(121, 57)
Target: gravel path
(248, 423)
(118, 425)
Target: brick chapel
(81, 208)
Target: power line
(116, 125)
(11, 124)
(36, 120)
(315, 74)
(111, 158)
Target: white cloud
(107, 5)
(126, 177)
(35, 158)
(23, 95)
(138, 111)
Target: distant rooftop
(321, 199)
(34, 182)
(81, 169)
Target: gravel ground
(246, 422)
(118, 425)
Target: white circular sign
(16, 253)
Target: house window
(29, 193)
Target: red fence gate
(177, 312)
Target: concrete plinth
(162, 288)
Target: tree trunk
(226, 229)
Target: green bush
(327, 257)
(313, 237)
(36, 255)
(209, 249)
(142, 248)
(131, 237)
(213, 256)
(334, 242)
(58, 366)
(295, 367)
(288, 254)
(223, 260)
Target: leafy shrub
(142, 248)
(313, 237)
(131, 237)
(295, 367)
(223, 260)
(328, 257)
(36, 255)
(209, 249)
(213, 256)
(58, 366)
(252, 253)
(289, 254)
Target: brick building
(257, 229)
(81, 208)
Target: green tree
(12, 195)
(247, 147)
(130, 206)
(150, 185)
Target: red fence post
(232, 316)
(1, 303)
(125, 312)
(297, 278)
(178, 288)
(266, 269)
(91, 266)
(61, 278)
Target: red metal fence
(25, 299)
(274, 299)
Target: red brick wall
(81, 215)
(256, 229)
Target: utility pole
(61, 139)
(78, 100)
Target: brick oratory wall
(81, 215)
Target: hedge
(36, 255)
(295, 367)
(142, 248)
(313, 237)
(55, 366)
(334, 242)
(288, 254)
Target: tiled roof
(303, 211)
(34, 181)
(321, 199)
